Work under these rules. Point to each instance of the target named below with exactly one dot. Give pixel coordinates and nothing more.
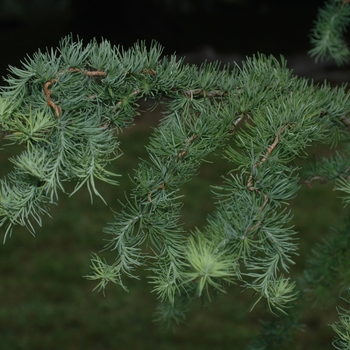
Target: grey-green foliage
(342, 329)
(328, 268)
(327, 36)
(66, 107)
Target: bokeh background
(45, 303)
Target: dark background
(268, 26)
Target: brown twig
(50, 103)
(235, 123)
(259, 223)
(314, 178)
(95, 73)
(47, 91)
(250, 183)
(191, 93)
(265, 202)
(189, 140)
(323, 180)
(266, 156)
(137, 91)
(161, 187)
(150, 71)
(272, 146)
(345, 120)
(270, 149)
(89, 73)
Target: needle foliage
(327, 36)
(66, 107)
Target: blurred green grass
(45, 303)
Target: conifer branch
(66, 118)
